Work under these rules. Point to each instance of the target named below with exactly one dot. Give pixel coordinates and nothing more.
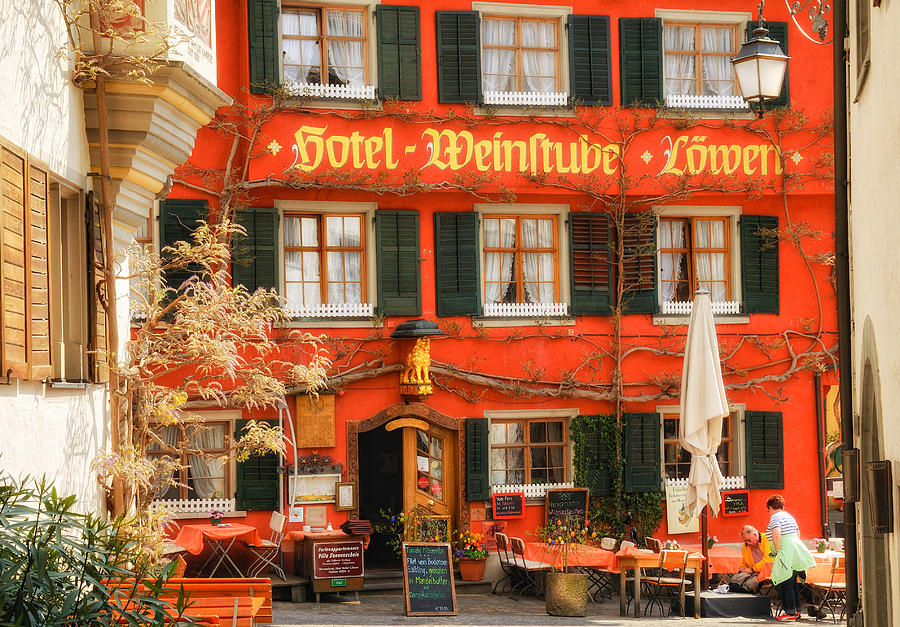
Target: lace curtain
(302, 53)
(537, 49)
(301, 268)
(498, 267)
(680, 60)
(346, 59)
(207, 475)
(537, 267)
(498, 65)
(709, 267)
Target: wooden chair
(669, 583)
(835, 590)
(267, 552)
(506, 563)
(653, 544)
(532, 572)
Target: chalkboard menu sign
(735, 502)
(509, 505)
(567, 503)
(428, 579)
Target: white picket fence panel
(343, 92)
(732, 482)
(691, 101)
(531, 490)
(683, 307)
(526, 98)
(201, 507)
(335, 310)
(523, 310)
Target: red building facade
(548, 184)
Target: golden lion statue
(417, 362)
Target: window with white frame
(677, 461)
(521, 254)
(529, 450)
(698, 58)
(199, 449)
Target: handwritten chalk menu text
(337, 559)
(735, 502)
(428, 579)
(509, 505)
(567, 503)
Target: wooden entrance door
(429, 471)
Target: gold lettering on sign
(693, 155)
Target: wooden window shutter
(478, 465)
(38, 322)
(397, 241)
(641, 451)
(641, 60)
(98, 365)
(590, 68)
(779, 32)
(592, 271)
(254, 262)
(459, 56)
(763, 435)
(265, 51)
(14, 297)
(399, 52)
(759, 263)
(594, 472)
(456, 254)
(177, 220)
(257, 478)
(639, 263)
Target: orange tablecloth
(820, 573)
(336, 534)
(193, 537)
(580, 555)
(722, 558)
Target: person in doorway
(791, 557)
(755, 553)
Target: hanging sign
(677, 518)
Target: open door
(430, 481)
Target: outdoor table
(580, 556)
(635, 559)
(721, 559)
(221, 538)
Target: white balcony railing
(342, 92)
(200, 507)
(683, 307)
(689, 101)
(526, 98)
(531, 490)
(525, 310)
(732, 482)
(336, 310)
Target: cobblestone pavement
(474, 609)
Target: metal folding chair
(532, 572)
(835, 590)
(668, 583)
(268, 551)
(506, 563)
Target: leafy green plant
(469, 545)
(565, 536)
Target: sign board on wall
(428, 579)
(677, 519)
(509, 505)
(337, 559)
(736, 503)
(566, 503)
(314, 421)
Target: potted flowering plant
(215, 517)
(821, 544)
(711, 541)
(565, 593)
(470, 553)
(671, 545)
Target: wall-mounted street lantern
(760, 66)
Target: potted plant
(711, 541)
(821, 544)
(215, 517)
(470, 555)
(565, 593)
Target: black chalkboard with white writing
(567, 504)
(509, 505)
(735, 502)
(428, 579)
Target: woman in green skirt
(792, 557)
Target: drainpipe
(842, 268)
(820, 433)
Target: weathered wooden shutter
(177, 220)
(763, 434)
(592, 271)
(459, 56)
(254, 262)
(639, 263)
(265, 51)
(478, 469)
(399, 52)
(456, 254)
(257, 478)
(38, 335)
(641, 452)
(641, 60)
(593, 473)
(98, 364)
(779, 32)
(397, 240)
(590, 72)
(759, 263)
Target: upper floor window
(527, 451)
(677, 461)
(519, 54)
(520, 259)
(694, 253)
(698, 59)
(324, 46)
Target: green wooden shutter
(257, 478)
(591, 271)
(459, 56)
(456, 255)
(779, 32)
(759, 263)
(764, 442)
(641, 451)
(641, 60)
(397, 241)
(177, 221)
(590, 71)
(265, 53)
(639, 263)
(593, 473)
(399, 52)
(255, 256)
(478, 470)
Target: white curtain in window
(498, 66)
(671, 236)
(498, 266)
(346, 59)
(711, 266)
(538, 266)
(302, 61)
(679, 68)
(538, 67)
(718, 79)
(208, 474)
(165, 490)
